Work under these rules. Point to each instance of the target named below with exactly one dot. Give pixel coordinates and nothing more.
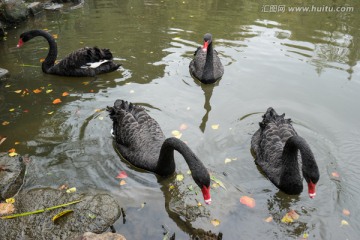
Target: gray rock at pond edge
(95, 213)
(103, 236)
(12, 172)
(3, 72)
(35, 8)
(14, 11)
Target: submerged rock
(95, 213)
(14, 11)
(12, 172)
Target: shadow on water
(208, 91)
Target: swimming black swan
(206, 65)
(85, 62)
(275, 146)
(140, 140)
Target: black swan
(275, 146)
(85, 62)
(140, 140)
(206, 65)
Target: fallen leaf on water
(122, 174)
(190, 187)
(6, 208)
(212, 177)
(227, 160)
(248, 201)
(49, 91)
(215, 185)
(290, 217)
(183, 127)
(55, 36)
(71, 190)
(179, 177)
(188, 172)
(176, 134)
(305, 236)
(268, 219)
(4, 123)
(13, 154)
(171, 187)
(199, 204)
(12, 150)
(17, 143)
(37, 90)
(142, 206)
(57, 216)
(344, 223)
(10, 200)
(18, 91)
(57, 101)
(92, 216)
(101, 118)
(215, 126)
(215, 222)
(11, 109)
(7, 85)
(335, 174)
(42, 60)
(2, 139)
(346, 212)
(85, 83)
(122, 182)
(50, 112)
(64, 94)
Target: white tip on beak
(312, 195)
(208, 201)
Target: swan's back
(75, 64)
(268, 142)
(138, 137)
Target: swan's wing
(83, 56)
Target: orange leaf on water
(335, 174)
(248, 201)
(12, 150)
(183, 127)
(65, 94)
(290, 217)
(215, 222)
(55, 36)
(4, 123)
(6, 208)
(122, 182)
(122, 174)
(268, 219)
(42, 60)
(57, 101)
(346, 212)
(37, 90)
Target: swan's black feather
(268, 144)
(206, 65)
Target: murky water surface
(305, 64)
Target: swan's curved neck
(209, 63)
(291, 172)
(52, 54)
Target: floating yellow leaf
(12, 150)
(215, 185)
(10, 200)
(268, 219)
(49, 91)
(346, 212)
(199, 204)
(71, 190)
(57, 216)
(50, 112)
(17, 143)
(290, 217)
(101, 118)
(179, 177)
(344, 223)
(85, 83)
(171, 187)
(227, 160)
(57, 101)
(248, 201)
(215, 222)
(55, 36)
(37, 90)
(176, 134)
(122, 182)
(6, 208)
(4, 123)
(12, 109)
(64, 94)
(13, 154)
(18, 91)
(7, 85)
(305, 236)
(42, 60)
(215, 126)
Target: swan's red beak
(311, 189)
(206, 44)
(206, 194)
(20, 43)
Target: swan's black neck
(52, 54)
(290, 179)
(209, 63)
(166, 163)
